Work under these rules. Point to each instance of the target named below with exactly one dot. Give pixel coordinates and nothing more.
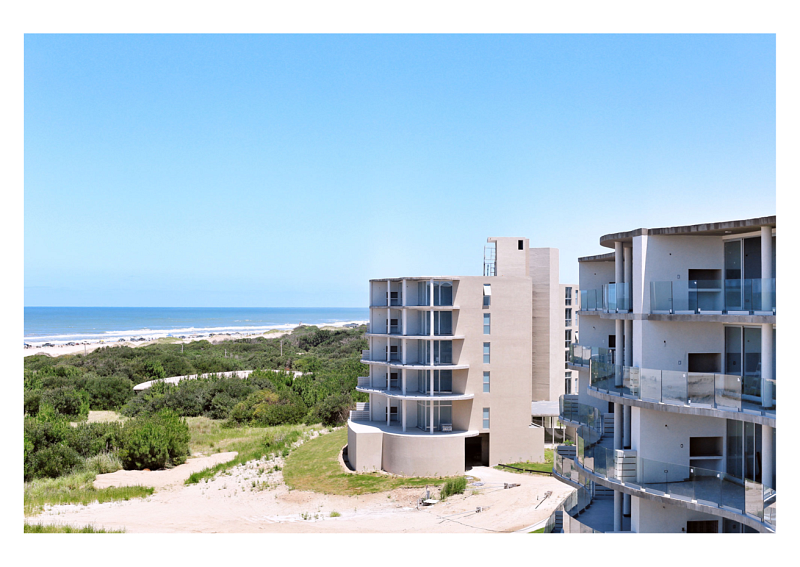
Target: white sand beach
(85, 347)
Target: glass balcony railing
(617, 298)
(588, 416)
(581, 355)
(701, 389)
(611, 298)
(689, 297)
(682, 482)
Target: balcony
(724, 392)
(713, 297)
(580, 355)
(611, 298)
(680, 483)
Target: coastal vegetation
(315, 466)
(251, 443)
(64, 529)
(545, 467)
(75, 488)
(261, 415)
(104, 379)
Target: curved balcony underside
(652, 493)
(749, 416)
(414, 366)
(418, 337)
(365, 426)
(418, 307)
(397, 394)
(716, 318)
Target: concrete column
(626, 426)
(388, 410)
(628, 342)
(626, 504)
(371, 405)
(404, 321)
(627, 273)
(431, 414)
(403, 288)
(618, 263)
(404, 405)
(617, 511)
(766, 365)
(403, 378)
(618, 426)
(766, 266)
(618, 349)
(768, 458)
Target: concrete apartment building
(674, 422)
(455, 362)
(572, 307)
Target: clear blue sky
(288, 170)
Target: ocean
(59, 325)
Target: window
(568, 296)
(486, 382)
(567, 382)
(486, 353)
(486, 418)
(487, 324)
(487, 295)
(519, 245)
(567, 337)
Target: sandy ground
(62, 349)
(253, 498)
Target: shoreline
(86, 346)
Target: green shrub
(221, 406)
(53, 461)
(103, 463)
(32, 400)
(333, 410)
(67, 401)
(453, 486)
(153, 442)
(109, 392)
(90, 439)
(267, 408)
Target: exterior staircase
(361, 412)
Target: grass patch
(75, 489)
(539, 531)
(453, 486)
(250, 442)
(335, 514)
(315, 466)
(58, 529)
(546, 466)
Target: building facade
(455, 362)
(675, 418)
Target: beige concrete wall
(420, 455)
(511, 261)
(364, 450)
(548, 325)
(510, 364)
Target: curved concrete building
(455, 363)
(675, 417)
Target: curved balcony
(399, 335)
(675, 391)
(725, 394)
(399, 307)
(611, 298)
(397, 394)
(713, 297)
(704, 490)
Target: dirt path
(253, 498)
